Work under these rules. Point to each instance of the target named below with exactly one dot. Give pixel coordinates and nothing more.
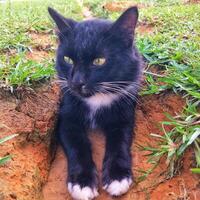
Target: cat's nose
(81, 89)
(78, 86)
(78, 83)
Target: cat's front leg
(82, 175)
(117, 175)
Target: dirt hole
(149, 113)
(32, 117)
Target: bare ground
(32, 117)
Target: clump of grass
(184, 132)
(177, 71)
(18, 71)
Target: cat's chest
(96, 104)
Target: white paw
(117, 188)
(85, 193)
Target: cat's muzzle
(81, 90)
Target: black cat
(100, 69)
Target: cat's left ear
(64, 25)
(125, 25)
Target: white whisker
(125, 93)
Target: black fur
(83, 42)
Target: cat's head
(97, 56)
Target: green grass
(17, 20)
(19, 71)
(97, 6)
(175, 50)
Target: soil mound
(32, 117)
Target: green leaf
(7, 138)
(194, 136)
(195, 170)
(4, 159)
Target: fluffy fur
(101, 97)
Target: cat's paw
(84, 185)
(118, 187)
(82, 193)
(117, 177)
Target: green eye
(99, 61)
(68, 60)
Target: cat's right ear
(124, 27)
(64, 25)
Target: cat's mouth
(83, 92)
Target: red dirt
(32, 117)
(145, 29)
(149, 113)
(192, 1)
(37, 55)
(122, 5)
(42, 41)
(41, 45)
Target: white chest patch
(99, 101)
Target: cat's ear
(64, 24)
(124, 26)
